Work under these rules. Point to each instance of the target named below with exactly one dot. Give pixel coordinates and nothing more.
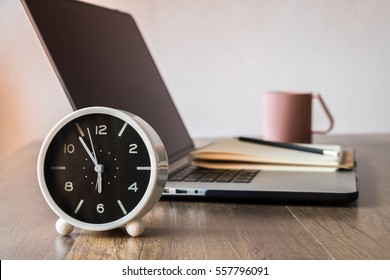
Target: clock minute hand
(94, 160)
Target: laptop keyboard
(195, 174)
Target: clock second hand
(93, 149)
(98, 167)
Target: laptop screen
(101, 59)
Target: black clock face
(97, 168)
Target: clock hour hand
(99, 169)
(98, 185)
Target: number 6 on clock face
(101, 168)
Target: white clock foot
(135, 227)
(63, 227)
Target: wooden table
(209, 230)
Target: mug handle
(327, 112)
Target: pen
(325, 152)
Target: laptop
(101, 59)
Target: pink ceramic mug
(288, 116)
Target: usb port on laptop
(179, 191)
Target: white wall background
(217, 58)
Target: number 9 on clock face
(99, 168)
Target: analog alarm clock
(101, 168)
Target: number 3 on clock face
(99, 168)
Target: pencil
(325, 152)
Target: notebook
(101, 59)
(237, 154)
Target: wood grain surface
(208, 230)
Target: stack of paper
(236, 154)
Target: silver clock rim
(158, 176)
